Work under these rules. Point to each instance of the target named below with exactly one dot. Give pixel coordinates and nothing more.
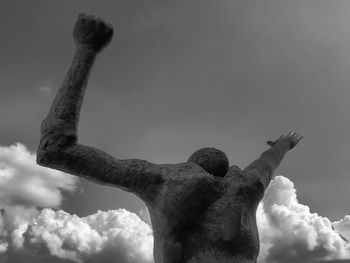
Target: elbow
(55, 139)
(43, 158)
(54, 159)
(40, 158)
(47, 156)
(50, 153)
(44, 150)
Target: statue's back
(202, 218)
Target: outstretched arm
(58, 146)
(264, 167)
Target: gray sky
(181, 75)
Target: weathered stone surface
(211, 160)
(201, 211)
(198, 217)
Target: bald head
(211, 160)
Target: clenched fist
(92, 32)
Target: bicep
(138, 176)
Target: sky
(178, 76)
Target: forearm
(264, 167)
(67, 103)
(275, 154)
(59, 128)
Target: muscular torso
(198, 217)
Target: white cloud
(46, 235)
(25, 186)
(291, 233)
(100, 237)
(23, 182)
(145, 216)
(45, 89)
(343, 227)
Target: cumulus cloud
(115, 234)
(112, 236)
(145, 216)
(289, 232)
(29, 233)
(23, 182)
(25, 187)
(343, 226)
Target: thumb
(270, 143)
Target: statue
(201, 210)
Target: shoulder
(246, 184)
(188, 169)
(252, 187)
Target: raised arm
(58, 146)
(264, 167)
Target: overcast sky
(181, 75)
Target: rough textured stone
(204, 218)
(201, 211)
(211, 160)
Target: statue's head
(211, 160)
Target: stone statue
(201, 210)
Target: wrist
(288, 145)
(283, 145)
(86, 50)
(84, 56)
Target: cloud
(289, 232)
(145, 216)
(25, 187)
(112, 236)
(118, 234)
(23, 182)
(343, 226)
(46, 89)
(30, 234)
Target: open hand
(92, 32)
(292, 138)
